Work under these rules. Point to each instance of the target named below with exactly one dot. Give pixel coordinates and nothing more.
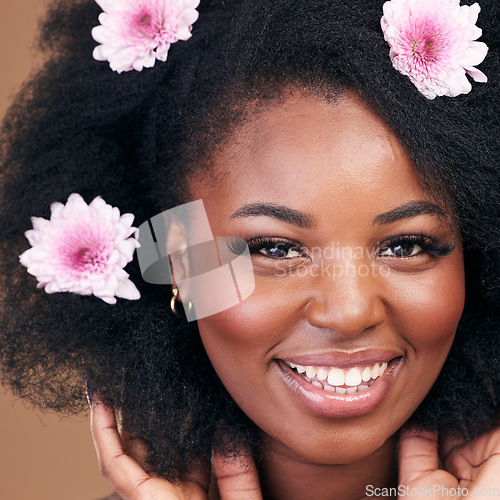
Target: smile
(341, 381)
(341, 392)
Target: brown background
(41, 457)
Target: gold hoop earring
(174, 298)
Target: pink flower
(134, 33)
(432, 42)
(83, 249)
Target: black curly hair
(135, 138)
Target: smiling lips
(341, 381)
(341, 386)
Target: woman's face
(356, 270)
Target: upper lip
(343, 359)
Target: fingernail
(90, 393)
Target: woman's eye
(413, 245)
(401, 249)
(269, 247)
(280, 250)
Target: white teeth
(353, 377)
(336, 376)
(366, 375)
(334, 379)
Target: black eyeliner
(255, 244)
(427, 243)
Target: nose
(348, 300)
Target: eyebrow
(408, 210)
(280, 212)
(304, 220)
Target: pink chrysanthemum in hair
(432, 42)
(83, 249)
(134, 33)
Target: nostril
(345, 315)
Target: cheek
(431, 305)
(429, 312)
(245, 333)
(239, 343)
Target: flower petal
(191, 4)
(109, 299)
(476, 75)
(433, 44)
(127, 219)
(189, 17)
(475, 54)
(134, 34)
(82, 248)
(127, 290)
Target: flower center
(90, 259)
(425, 47)
(159, 26)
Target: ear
(177, 246)
(179, 260)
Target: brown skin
(472, 465)
(341, 165)
(348, 168)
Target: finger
(134, 448)
(473, 460)
(449, 445)
(418, 454)
(129, 480)
(454, 461)
(487, 476)
(195, 482)
(237, 477)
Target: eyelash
(426, 244)
(255, 245)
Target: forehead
(310, 153)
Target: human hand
(469, 469)
(236, 479)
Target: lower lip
(334, 405)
